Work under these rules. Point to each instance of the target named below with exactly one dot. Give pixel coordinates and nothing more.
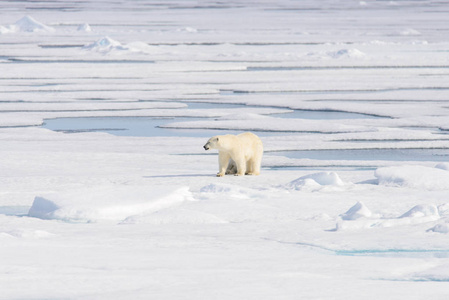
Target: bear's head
(212, 143)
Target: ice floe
(269, 123)
(144, 233)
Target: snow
(414, 177)
(440, 228)
(360, 217)
(106, 45)
(357, 211)
(27, 24)
(84, 27)
(340, 54)
(421, 211)
(93, 215)
(315, 181)
(443, 166)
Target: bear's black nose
(205, 147)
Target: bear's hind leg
(252, 168)
(232, 168)
(255, 166)
(249, 168)
(241, 167)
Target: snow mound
(360, 217)
(440, 228)
(443, 166)
(347, 53)
(84, 28)
(419, 211)
(187, 29)
(358, 211)
(419, 177)
(105, 45)
(3, 30)
(410, 32)
(112, 203)
(27, 24)
(316, 180)
(443, 209)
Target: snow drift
(443, 166)
(117, 203)
(315, 181)
(360, 217)
(347, 53)
(440, 228)
(84, 28)
(419, 177)
(106, 45)
(356, 212)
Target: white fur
(237, 154)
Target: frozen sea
(106, 191)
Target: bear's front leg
(223, 161)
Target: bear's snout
(206, 147)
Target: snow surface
(91, 215)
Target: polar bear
(237, 154)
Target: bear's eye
(216, 139)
